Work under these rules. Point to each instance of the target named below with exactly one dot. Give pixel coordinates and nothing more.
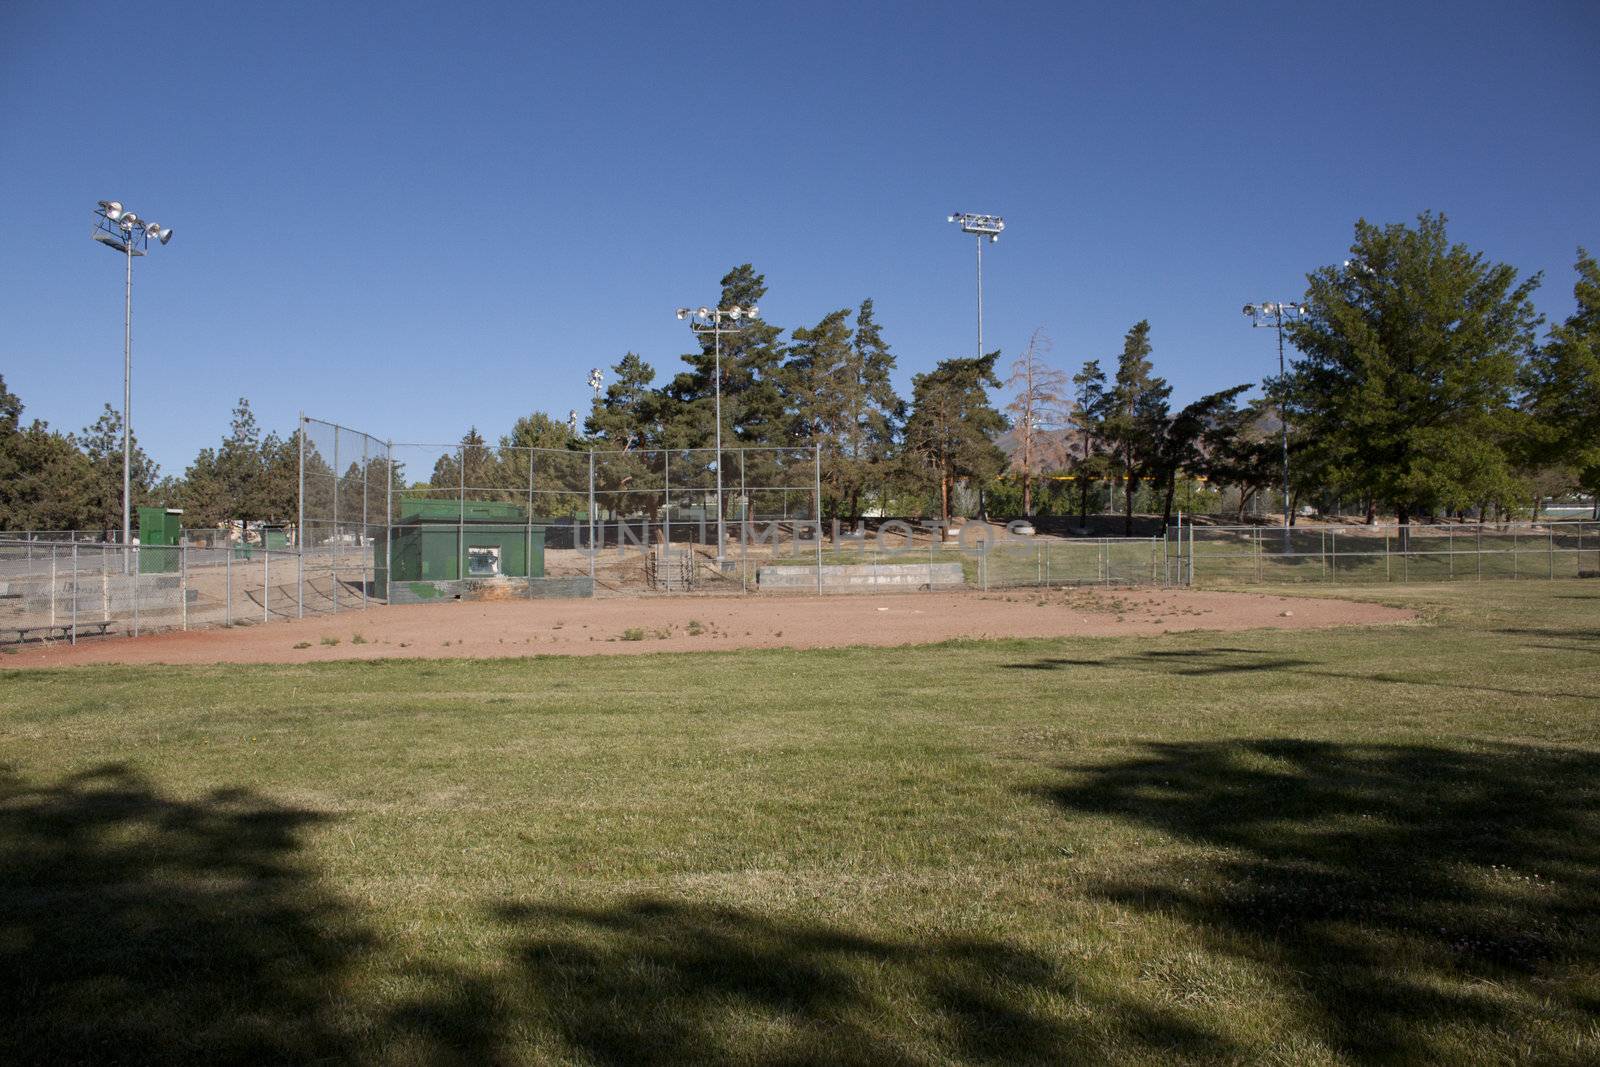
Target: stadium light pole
(704, 320)
(123, 231)
(982, 226)
(1271, 313)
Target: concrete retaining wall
(490, 589)
(864, 577)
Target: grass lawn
(1289, 847)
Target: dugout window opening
(483, 561)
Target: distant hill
(1055, 448)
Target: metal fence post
(366, 465)
(183, 584)
(133, 577)
(337, 478)
(816, 505)
(388, 522)
(1387, 576)
(266, 583)
(594, 553)
(227, 564)
(1551, 530)
(299, 533)
(1333, 536)
(52, 585)
(74, 588)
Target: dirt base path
(617, 626)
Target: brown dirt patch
(687, 624)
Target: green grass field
(1282, 847)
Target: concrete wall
(863, 577)
(432, 592)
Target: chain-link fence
(346, 484)
(61, 591)
(380, 522)
(1390, 553)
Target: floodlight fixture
(704, 320)
(1273, 313)
(124, 232)
(982, 226)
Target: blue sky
(411, 218)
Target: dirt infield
(613, 626)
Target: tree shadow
(656, 981)
(1202, 662)
(1196, 662)
(137, 927)
(1393, 892)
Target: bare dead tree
(1042, 401)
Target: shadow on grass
(1400, 896)
(1216, 661)
(136, 927)
(669, 982)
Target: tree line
(1421, 387)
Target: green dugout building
(444, 541)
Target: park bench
(58, 631)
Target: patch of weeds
(357, 639)
(330, 641)
(634, 633)
(663, 633)
(694, 628)
(303, 644)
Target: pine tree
(45, 481)
(1563, 383)
(1136, 415)
(1411, 352)
(950, 431)
(624, 422)
(1090, 406)
(1184, 441)
(752, 402)
(102, 444)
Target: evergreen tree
(624, 422)
(1183, 444)
(46, 483)
(102, 444)
(874, 412)
(752, 401)
(1091, 402)
(1136, 416)
(1242, 450)
(1412, 350)
(1563, 383)
(239, 468)
(840, 399)
(952, 424)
